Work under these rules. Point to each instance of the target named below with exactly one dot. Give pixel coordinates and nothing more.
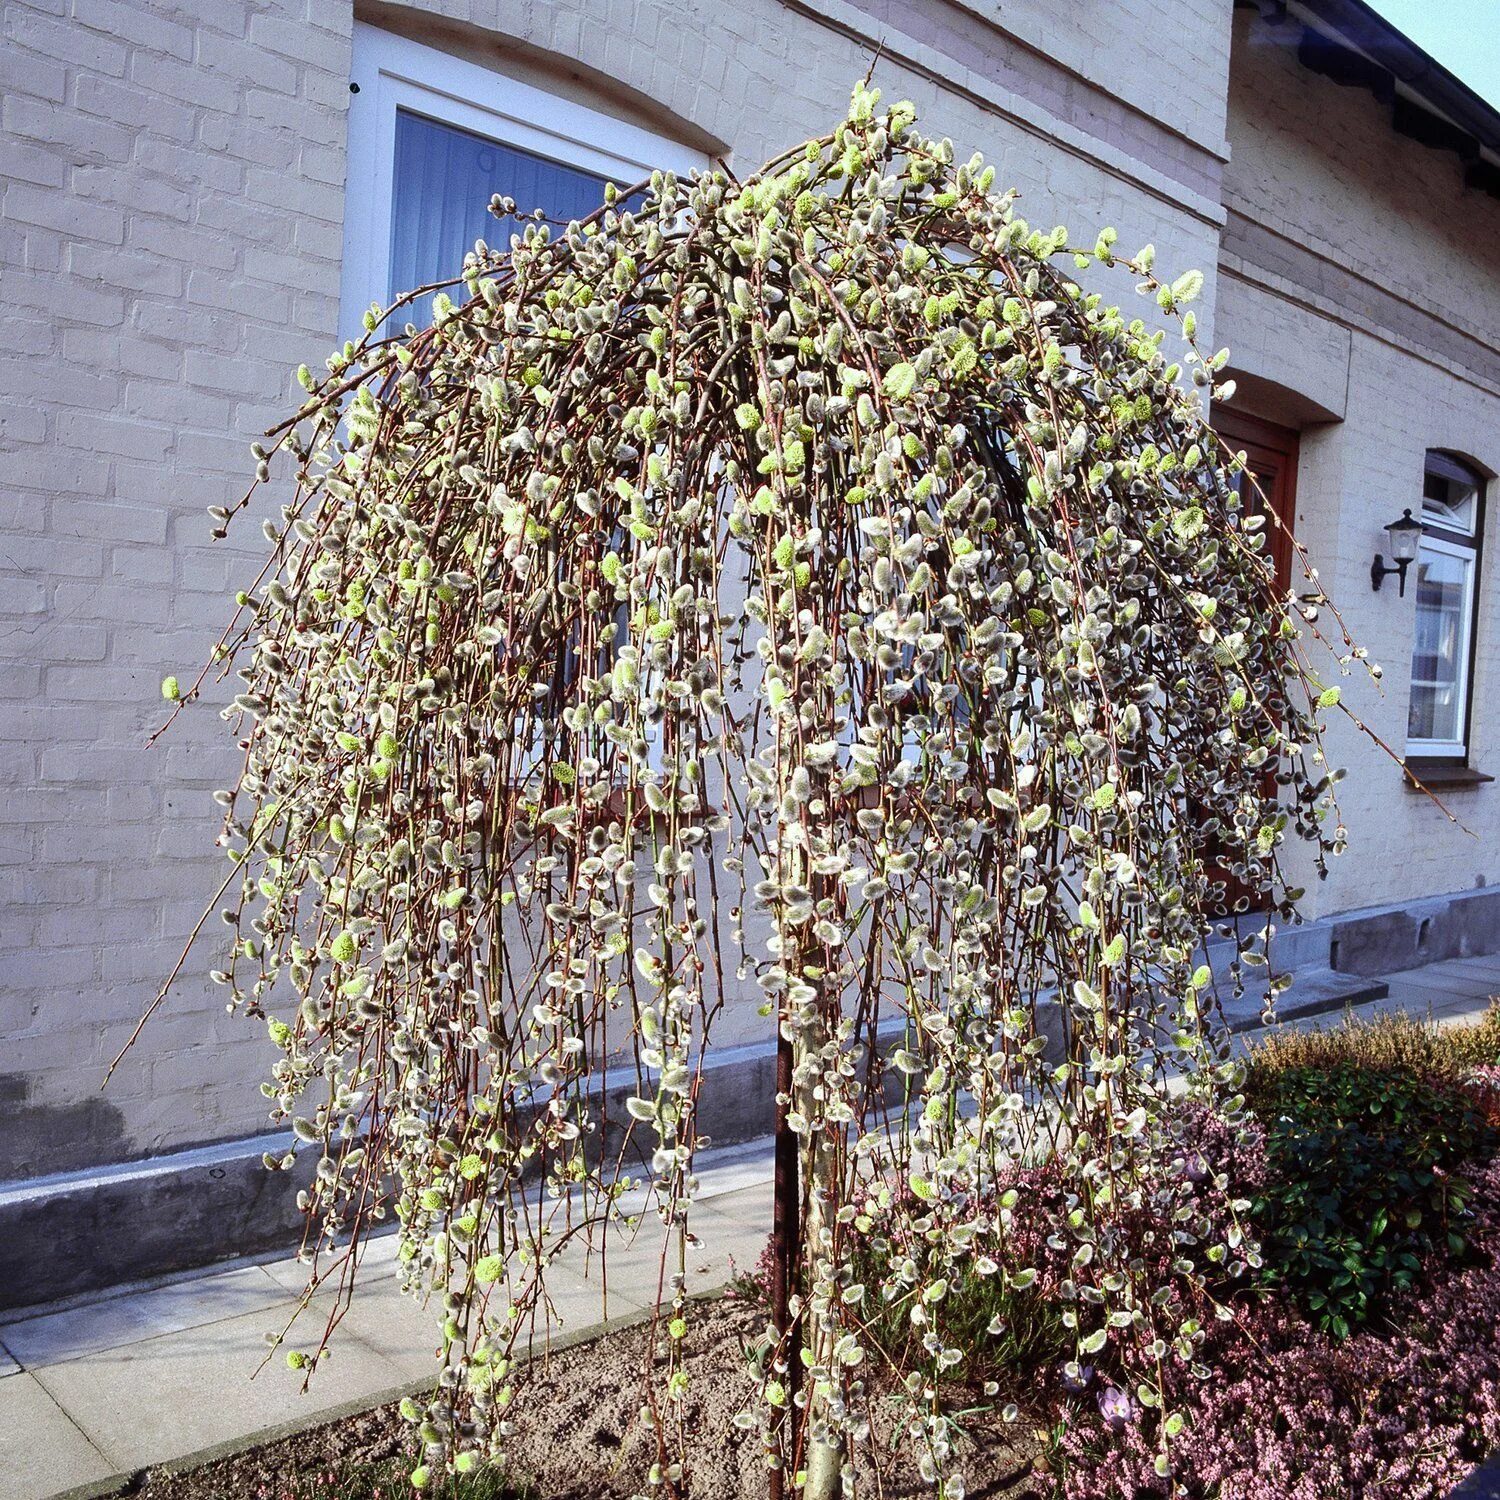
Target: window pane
(1440, 654)
(444, 179)
(1450, 502)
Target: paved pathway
(95, 1390)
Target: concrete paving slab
(1478, 960)
(750, 1168)
(8, 1363)
(42, 1452)
(1486, 968)
(631, 1267)
(1444, 976)
(748, 1205)
(404, 1329)
(400, 1330)
(131, 1317)
(1413, 1000)
(155, 1400)
(1482, 1484)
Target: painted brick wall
(170, 246)
(170, 241)
(1404, 262)
(1167, 57)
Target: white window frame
(393, 73)
(1466, 554)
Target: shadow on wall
(38, 1138)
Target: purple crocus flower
(1117, 1409)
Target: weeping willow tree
(805, 592)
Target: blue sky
(1463, 35)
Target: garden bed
(1359, 1358)
(586, 1440)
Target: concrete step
(1314, 992)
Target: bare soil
(580, 1436)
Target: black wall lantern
(1406, 535)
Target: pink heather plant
(1395, 1413)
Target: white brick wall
(1321, 166)
(170, 246)
(1169, 58)
(158, 281)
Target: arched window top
(1451, 493)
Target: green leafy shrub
(1363, 1181)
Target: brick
(142, 565)
(294, 198)
(112, 603)
(130, 354)
(231, 58)
(28, 162)
(193, 247)
(113, 435)
(134, 23)
(65, 213)
(279, 34)
(49, 556)
(41, 249)
(210, 371)
(307, 119)
(48, 970)
(67, 43)
(110, 521)
(254, 144)
(84, 136)
(270, 302)
(26, 73)
(27, 335)
(135, 269)
(158, 405)
(64, 384)
(57, 472)
(82, 304)
(140, 193)
(329, 90)
(20, 680)
(188, 164)
(177, 80)
(21, 424)
(135, 107)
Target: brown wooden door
(1271, 452)
(1271, 455)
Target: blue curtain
(444, 179)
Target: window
(1447, 567)
(432, 138)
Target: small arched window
(1437, 726)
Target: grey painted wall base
(81, 1231)
(1384, 939)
